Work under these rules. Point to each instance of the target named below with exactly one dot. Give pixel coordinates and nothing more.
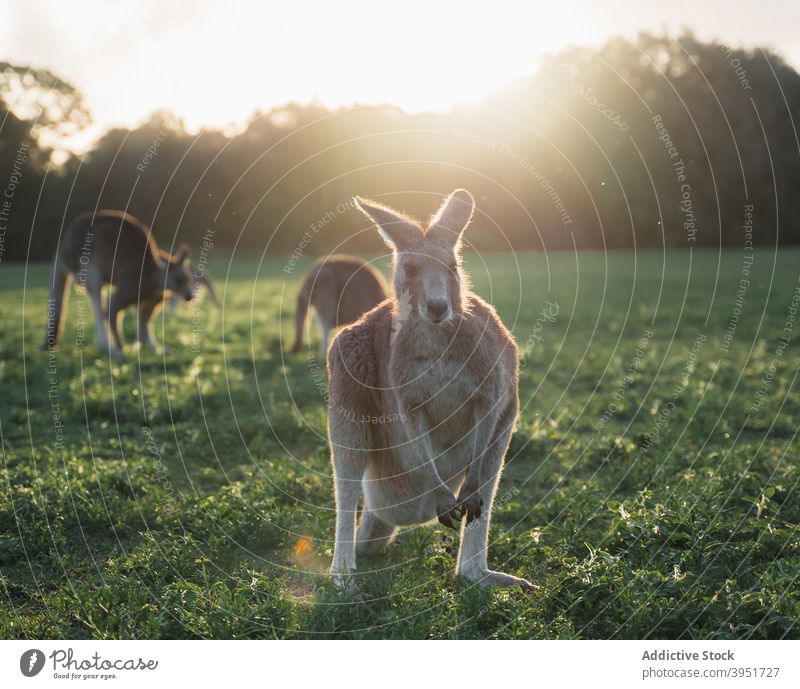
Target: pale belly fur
(396, 485)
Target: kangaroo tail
(56, 303)
(303, 300)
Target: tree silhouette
(656, 142)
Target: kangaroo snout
(438, 310)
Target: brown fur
(199, 279)
(438, 370)
(340, 289)
(113, 247)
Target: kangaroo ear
(452, 218)
(183, 254)
(397, 230)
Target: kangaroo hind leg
(116, 305)
(325, 327)
(56, 303)
(351, 443)
(94, 288)
(146, 310)
(472, 554)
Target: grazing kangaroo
(423, 400)
(341, 289)
(112, 247)
(199, 279)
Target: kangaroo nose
(437, 308)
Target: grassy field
(650, 489)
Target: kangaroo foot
(488, 578)
(346, 585)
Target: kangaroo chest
(432, 378)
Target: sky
(215, 63)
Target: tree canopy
(657, 142)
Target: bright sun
(214, 64)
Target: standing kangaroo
(438, 369)
(112, 247)
(341, 289)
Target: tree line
(655, 142)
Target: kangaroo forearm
(482, 432)
(420, 439)
(429, 466)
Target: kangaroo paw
(447, 509)
(470, 504)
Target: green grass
(672, 514)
